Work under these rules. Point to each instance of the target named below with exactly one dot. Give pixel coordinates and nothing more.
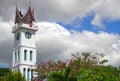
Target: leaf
(103, 61)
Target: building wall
(20, 45)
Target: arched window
(15, 57)
(18, 55)
(31, 55)
(28, 74)
(25, 54)
(24, 72)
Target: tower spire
(29, 2)
(28, 18)
(16, 3)
(24, 50)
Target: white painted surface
(24, 44)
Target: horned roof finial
(28, 18)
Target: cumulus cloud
(6, 42)
(65, 10)
(55, 42)
(5, 30)
(105, 10)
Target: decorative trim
(23, 46)
(23, 64)
(24, 26)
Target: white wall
(24, 44)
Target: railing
(17, 26)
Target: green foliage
(82, 67)
(13, 76)
(103, 61)
(61, 76)
(3, 72)
(100, 73)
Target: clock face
(18, 36)
(28, 35)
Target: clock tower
(24, 50)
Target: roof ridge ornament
(30, 3)
(28, 18)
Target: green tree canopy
(13, 76)
(82, 67)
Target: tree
(61, 76)
(82, 67)
(13, 76)
(3, 72)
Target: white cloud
(105, 10)
(65, 10)
(57, 42)
(5, 30)
(53, 40)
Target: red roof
(28, 18)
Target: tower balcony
(24, 26)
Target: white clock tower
(24, 51)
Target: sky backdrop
(65, 27)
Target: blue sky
(85, 24)
(112, 27)
(3, 66)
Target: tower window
(25, 54)
(31, 55)
(18, 55)
(24, 72)
(28, 74)
(15, 57)
(31, 73)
